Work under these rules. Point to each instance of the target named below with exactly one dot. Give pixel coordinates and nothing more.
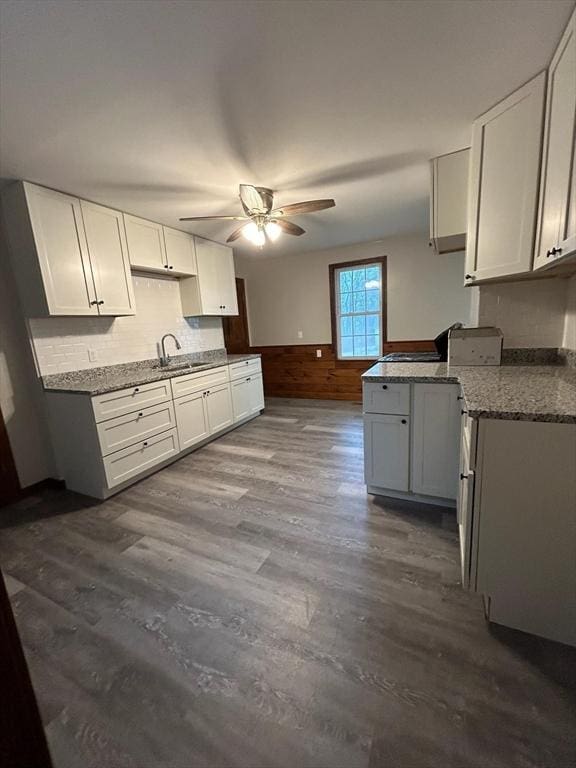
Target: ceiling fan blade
(236, 234)
(289, 228)
(213, 218)
(306, 207)
(256, 200)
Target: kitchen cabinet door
(256, 393)
(213, 292)
(436, 417)
(505, 164)
(557, 216)
(109, 259)
(219, 408)
(191, 419)
(180, 252)
(227, 281)
(146, 246)
(449, 201)
(241, 399)
(386, 451)
(58, 238)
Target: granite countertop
(98, 381)
(518, 392)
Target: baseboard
(436, 501)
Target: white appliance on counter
(475, 346)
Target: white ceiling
(162, 108)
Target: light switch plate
(92, 355)
(318, 353)
(300, 335)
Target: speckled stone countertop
(98, 381)
(518, 392)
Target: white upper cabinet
(180, 251)
(557, 215)
(108, 253)
(504, 171)
(154, 248)
(449, 201)
(69, 256)
(213, 291)
(145, 244)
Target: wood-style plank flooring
(251, 606)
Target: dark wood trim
(22, 739)
(10, 489)
(235, 327)
(383, 317)
(293, 370)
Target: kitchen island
(502, 441)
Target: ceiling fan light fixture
(273, 231)
(254, 234)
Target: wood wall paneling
(295, 371)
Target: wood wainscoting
(295, 371)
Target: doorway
(236, 335)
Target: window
(358, 308)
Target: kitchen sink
(176, 366)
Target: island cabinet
(504, 174)
(103, 443)
(411, 439)
(517, 521)
(69, 256)
(556, 238)
(213, 290)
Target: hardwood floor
(251, 606)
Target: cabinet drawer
(129, 462)
(133, 427)
(245, 368)
(386, 398)
(194, 382)
(126, 400)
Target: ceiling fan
(263, 221)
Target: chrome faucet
(165, 357)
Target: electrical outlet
(92, 355)
(300, 335)
(318, 353)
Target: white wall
(569, 335)
(530, 313)
(62, 343)
(289, 293)
(21, 399)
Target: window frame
(332, 269)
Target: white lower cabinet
(129, 462)
(219, 408)
(106, 442)
(191, 419)
(411, 439)
(435, 439)
(517, 512)
(241, 399)
(387, 451)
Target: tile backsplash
(63, 344)
(530, 313)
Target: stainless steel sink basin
(176, 366)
